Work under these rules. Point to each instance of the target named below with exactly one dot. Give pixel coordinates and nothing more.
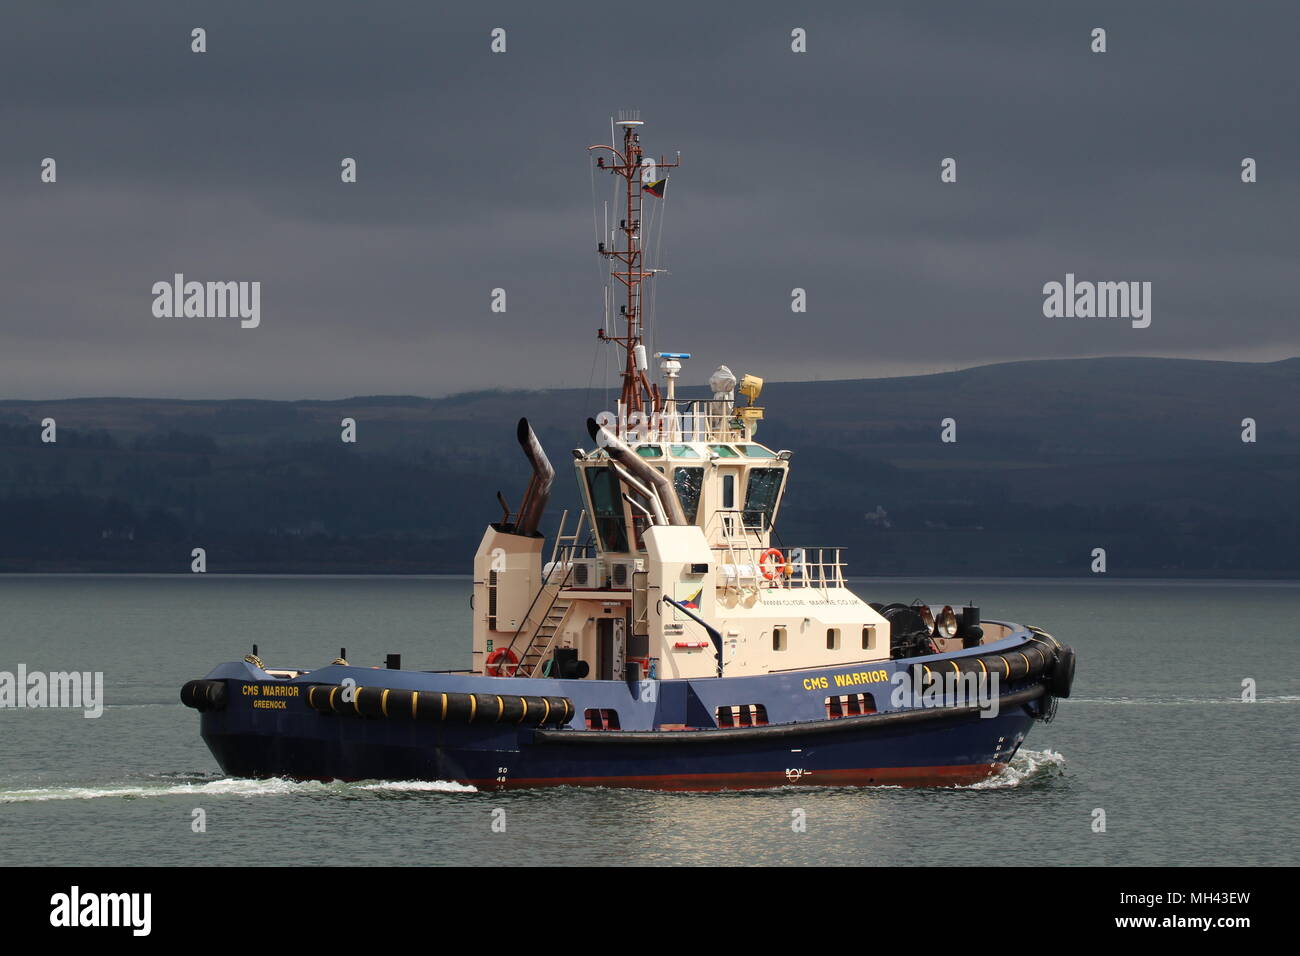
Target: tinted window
(757, 451)
(761, 496)
(725, 451)
(688, 482)
(607, 508)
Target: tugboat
(666, 642)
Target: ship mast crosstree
(639, 394)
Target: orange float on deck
(502, 663)
(771, 573)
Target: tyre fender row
(204, 695)
(1042, 656)
(386, 703)
(1060, 676)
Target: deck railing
(701, 420)
(742, 566)
(744, 538)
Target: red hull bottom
(950, 776)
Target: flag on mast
(655, 189)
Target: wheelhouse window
(757, 451)
(607, 508)
(684, 451)
(639, 524)
(761, 497)
(688, 482)
(649, 451)
(724, 451)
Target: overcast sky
(817, 170)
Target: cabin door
(729, 493)
(611, 647)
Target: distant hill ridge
(1054, 457)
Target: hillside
(1054, 458)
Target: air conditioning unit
(583, 574)
(620, 573)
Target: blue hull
(267, 728)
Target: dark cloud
(817, 170)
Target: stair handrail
(545, 581)
(541, 658)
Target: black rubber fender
(424, 705)
(368, 701)
(1061, 678)
(204, 695)
(1028, 660)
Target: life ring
(502, 663)
(770, 573)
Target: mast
(628, 266)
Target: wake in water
(416, 786)
(1027, 768)
(227, 786)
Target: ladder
(566, 544)
(539, 647)
(543, 636)
(739, 552)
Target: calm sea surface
(1157, 736)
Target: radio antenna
(627, 264)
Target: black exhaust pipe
(637, 467)
(539, 486)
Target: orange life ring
(495, 666)
(770, 573)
